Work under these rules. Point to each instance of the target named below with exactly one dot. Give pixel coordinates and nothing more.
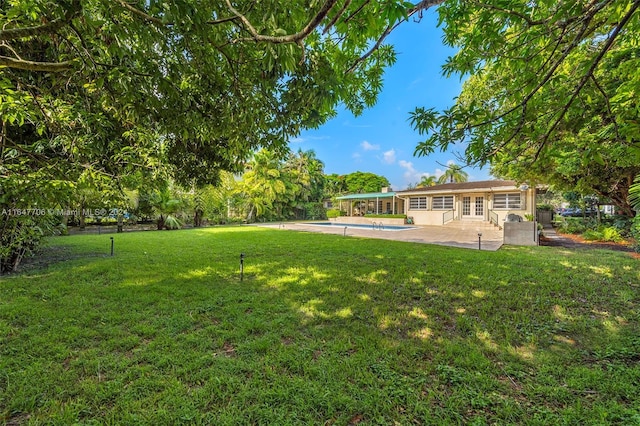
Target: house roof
(366, 196)
(485, 185)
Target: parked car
(577, 212)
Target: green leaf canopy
(551, 94)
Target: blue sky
(381, 140)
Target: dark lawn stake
(111, 246)
(241, 266)
(479, 241)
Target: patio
(454, 234)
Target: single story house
(489, 201)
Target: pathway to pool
(455, 234)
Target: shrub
(314, 211)
(622, 223)
(592, 235)
(333, 213)
(570, 226)
(387, 216)
(607, 233)
(611, 234)
(21, 236)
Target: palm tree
(307, 171)
(454, 173)
(427, 181)
(262, 183)
(166, 206)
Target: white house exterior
(488, 201)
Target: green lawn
(322, 330)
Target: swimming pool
(362, 226)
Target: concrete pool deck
(454, 234)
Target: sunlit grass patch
(319, 329)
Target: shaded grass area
(322, 330)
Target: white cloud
(409, 171)
(411, 175)
(369, 147)
(356, 155)
(308, 139)
(389, 157)
(407, 165)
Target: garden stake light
(111, 246)
(241, 266)
(479, 240)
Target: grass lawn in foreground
(322, 330)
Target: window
(507, 201)
(479, 206)
(417, 203)
(444, 202)
(466, 206)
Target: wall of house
(435, 217)
(426, 217)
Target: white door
(473, 207)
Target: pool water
(362, 226)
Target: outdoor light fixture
(111, 246)
(479, 240)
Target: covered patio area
(385, 202)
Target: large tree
(177, 88)
(213, 80)
(552, 93)
(362, 182)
